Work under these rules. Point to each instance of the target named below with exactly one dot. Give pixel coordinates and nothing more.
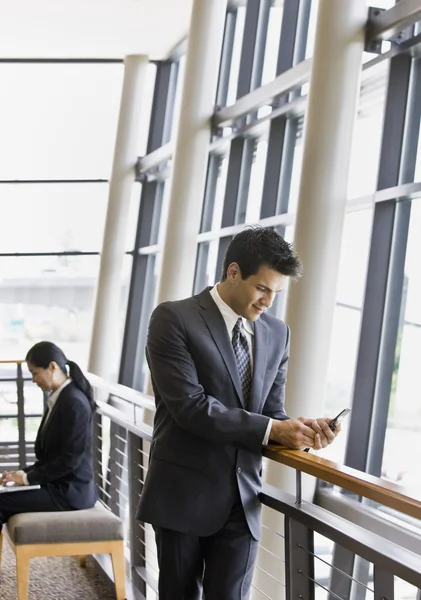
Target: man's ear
(233, 271)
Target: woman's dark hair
(43, 353)
(257, 246)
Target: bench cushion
(90, 525)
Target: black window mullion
(282, 135)
(159, 105)
(253, 47)
(214, 167)
(379, 315)
(250, 76)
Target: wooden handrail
(7, 362)
(381, 491)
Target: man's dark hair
(257, 246)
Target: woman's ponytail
(81, 382)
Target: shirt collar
(52, 398)
(230, 317)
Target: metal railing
(299, 538)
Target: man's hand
(324, 432)
(295, 433)
(14, 476)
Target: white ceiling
(91, 28)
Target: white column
(191, 150)
(103, 358)
(331, 113)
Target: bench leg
(117, 557)
(82, 560)
(22, 570)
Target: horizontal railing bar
(10, 361)
(269, 575)
(260, 591)
(147, 578)
(272, 553)
(122, 391)
(392, 21)
(362, 484)
(272, 531)
(148, 562)
(143, 452)
(319, 584)
(119, 465)
(371, 519)
(375, 549)
(144, 431)
(104, 492)
(349, 577)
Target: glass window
(367, 136)
(347, 321)
(133, 216)
(51, 298)
(417, 176)
(404, 419)
(178, 97)
(147, 101)
(58, 121)
(257, 177)
(272, 42)
(296, 172)
(52, 217)
(236, 55)
(312, 28)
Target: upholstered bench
(69, 533)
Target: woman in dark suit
(63, 447)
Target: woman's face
(44, 378)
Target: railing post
(136, 532)
(21, 417)
(298, 487)
(299, 561)
(384, 584)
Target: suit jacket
(206, 447)
(63, 450)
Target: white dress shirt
(230, 317)
(51, 400)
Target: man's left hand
(324, 435)
(14, 476)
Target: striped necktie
(242, 356)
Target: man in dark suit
(218, 364)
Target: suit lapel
(259, 364)
(219, 333)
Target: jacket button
(238, 469)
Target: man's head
(256, 267)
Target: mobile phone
(337, 420)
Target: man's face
(252, 296)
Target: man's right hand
(293, 433)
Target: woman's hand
(12, 476)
